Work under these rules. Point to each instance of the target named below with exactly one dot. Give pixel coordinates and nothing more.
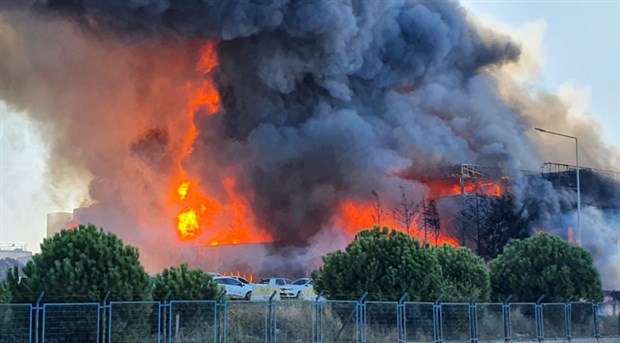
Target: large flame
(210, 219)
(204, 98)
(187, 223)
(207, 217)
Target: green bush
(465, 275)
(545, 264)
(82, 265)
(5, 293)
(383, 262)
(185, 284)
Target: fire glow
(249, 277)
(219, 221)
(354, 217)
(228, 219)
(438, 189)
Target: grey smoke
(323, 101)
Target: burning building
(210, 123)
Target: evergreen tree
(82, 265)
(503, 223)
(465, 275)
(383, 262)
(185, 284)
(545, 264)
(5, 294)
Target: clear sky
(581, 46)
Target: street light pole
(578, 186)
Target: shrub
(185, 284)
(383, 262)
(545, 264)
(465, 275)
(82, 265)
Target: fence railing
(304, 321)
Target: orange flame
(183, 188)
(216, 214)
(187, 223)
(208, 58)
(355, 217)
(246, 276)
(214, 220)
(438, 189)
(204, 98)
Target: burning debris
(208, 123)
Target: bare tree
(432, 220)
(377, 210)
(429, 218)
(405, 211)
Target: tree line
(389, 264)
(88, 264)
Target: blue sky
(581, 45)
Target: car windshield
(243, 280)
(264, 281)
(300, 282)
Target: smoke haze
(322, 102)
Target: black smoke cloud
(322, 101)
(326, 100)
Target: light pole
(578, 188)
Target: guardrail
(313, 321)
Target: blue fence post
(102, 310)
(161, 322)
(221, 318)
(506, 309)
(271, 319)
(43, 330)
(473, 321)
(595, 309)
(361, 318)
(317, 322)
(437, 320)
(110, 323)
(401, 318)
(538, 316)
(568, 320)
(30, 326)
(37, 308)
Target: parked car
(235, 289)
(284, 285)
(213, 274)
(244, 281)
(300, 284)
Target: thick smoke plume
(322, 102)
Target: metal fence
(294, 321)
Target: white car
(235, 289)
(300, 284)
(284, 285)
